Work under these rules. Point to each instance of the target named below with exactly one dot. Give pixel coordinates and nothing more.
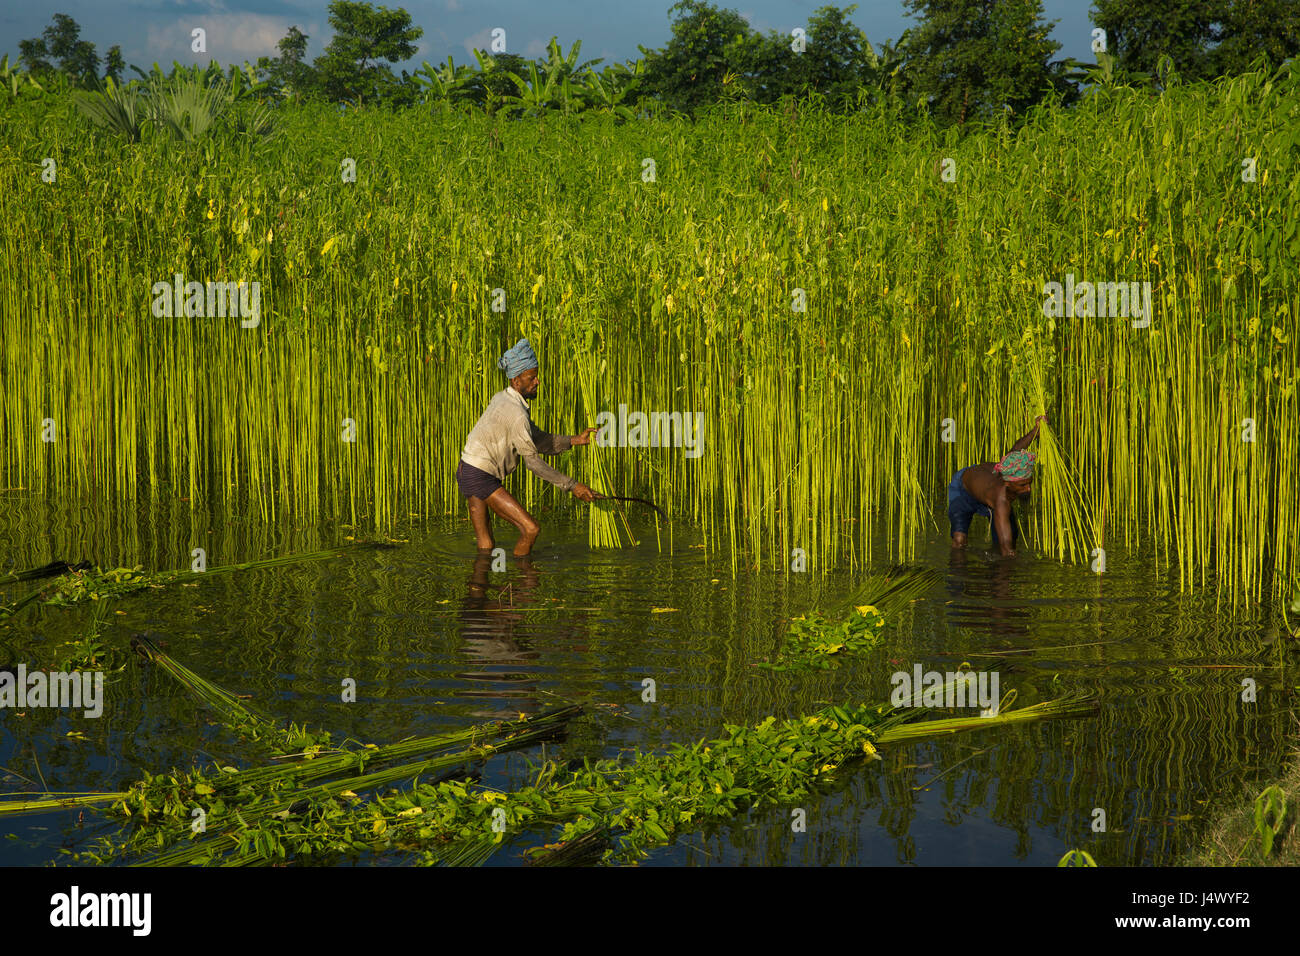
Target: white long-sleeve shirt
(504, 433)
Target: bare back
(984, 484)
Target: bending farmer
(503, 434)
(988, 490)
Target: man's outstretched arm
(1032, 434)
(548, 444)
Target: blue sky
(239, 30)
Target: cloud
(230, 37)
(481, 41)
(218, 7)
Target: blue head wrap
(518, 359)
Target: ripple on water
(436, 638)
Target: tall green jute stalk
(607, 525)
(1066, 527)
(825, 324)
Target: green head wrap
(1016, 465)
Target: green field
(922, 301)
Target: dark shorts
(963, 506)
(474, 482)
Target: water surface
(435, 639)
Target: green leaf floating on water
(814, 640)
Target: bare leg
(958, 539)
(478, 516)
(504, 504)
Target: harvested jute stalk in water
(228, 708)
(895, 588)
(609, 809)
(44, 571)
(657, 797)
(439, 752)
(19, 804)
(310, 810)
(816, 641)
(89, 585)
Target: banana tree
(444, 85)
(15, 80)
(884, 70)
(563, 86)
(573, 96)
(534, 97)
(245, 83)
(566, 64)
(607, 90)
(487, 65)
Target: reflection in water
(487, 630)
(981, 595)
(434, 651)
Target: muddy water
(435, 638)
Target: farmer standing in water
(503, 434)
(988, 490)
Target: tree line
(964, 60)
